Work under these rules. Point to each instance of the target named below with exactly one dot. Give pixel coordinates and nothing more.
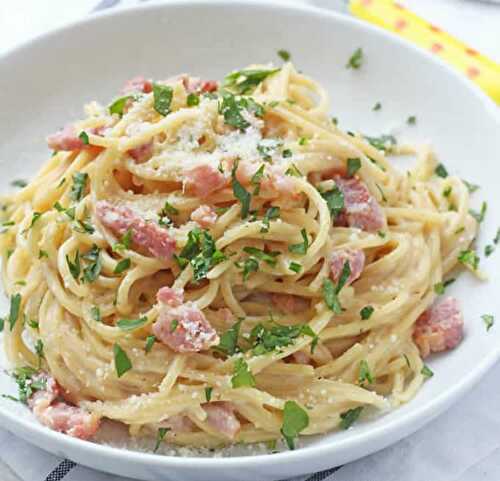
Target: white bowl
(44, 83)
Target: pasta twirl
(227, 265)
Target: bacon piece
(203, 180)
(60, 416)
(142, 153)
(209, 86)
(221, 417)
(173, 297)
(66, 139)
(178, 424)
(361, 209)
(144, 234)
(289, 303)
(183, 327)
(440, 327)
(205, 216)
(355, 258)
(137, 84)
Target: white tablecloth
(461, 445)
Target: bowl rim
(391, 427)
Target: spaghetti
(226, 264)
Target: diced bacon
(137, 84)
(289, 303)
(205, 216)
(209, 86)
(204, 180)
(361, 209)
(67, 419)
(66, 139)
(142, 153)
(300, 357)
(147, 235)
(171, 296)
(355, 258)
(178, 424)
(439, 328)
(221, 417)
(184, 327)
(59, 415)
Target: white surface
(440, 118)
(405, 80)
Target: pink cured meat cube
(355, 258)
(361, 210)
(182, 326)
(148, 235)
(439, 328)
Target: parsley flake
(348, 418)
(353, 165)
(79, 184)
(162, 98)
(479, 216)
(426, 371)
(469, 258)
(150, 340)
(365, 374)
(356, 59)
(245, 81)
(295, 420)
(131, 324)
(21, 183)
(302, 247)
(228, 343)
(284, 55)
(122, 266)
(118, 106)
(489, 321)
(15, 304)
(272, 213)
(122, 361)
(242, 376)
(208, 393)
(366, 312)
(160, 435)
(441, 171)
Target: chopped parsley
(193, 100)
(231, 108)
(257, 178)
(245, 81)
(447, 191)
(302, 247)
(381, 192)
(439, 288)
(242, 376)
(496, 240)
(79, 184)
(19, 183)
(208, 393)
(295, 267)
(74, 266)
(330, 291)
(353, 165)
(348, 418)
(272, 213)
(469, 258)
(26, 382)
(383, 142)
(488, 250)
(168, 209)
(411, 120)
(162, 98)
(284, 55)
(131, 324)
(274, 336)
(441, 171)
(122, 266)
(150, 340)
(267, 257)
(94, 265)
(293, 171)
(122, 361)
(70, 211)
(160, 435)
(295, 420)
(118, 106)
(356, 59)
(426, 371)
(84, 137)
(470, 187)
(173, 325)
(95, 313)
(365, 374)
(200, 252)
(249, 265)
(377, 106)
(488, 320)
(287, 153)
(228, 343)
(335, 200)
(479, 216)
(33, 324)
(366, 312)
(303, 141)
(241, 193)
(124, 243)
(39, 351)
(15, 304)
(34, 218)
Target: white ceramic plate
(44, 83)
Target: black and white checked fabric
(60, 471)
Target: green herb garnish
(295, 420)
(242, 376)
(122, 361)
(131, 324)
(162, 98)
(356, 59)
